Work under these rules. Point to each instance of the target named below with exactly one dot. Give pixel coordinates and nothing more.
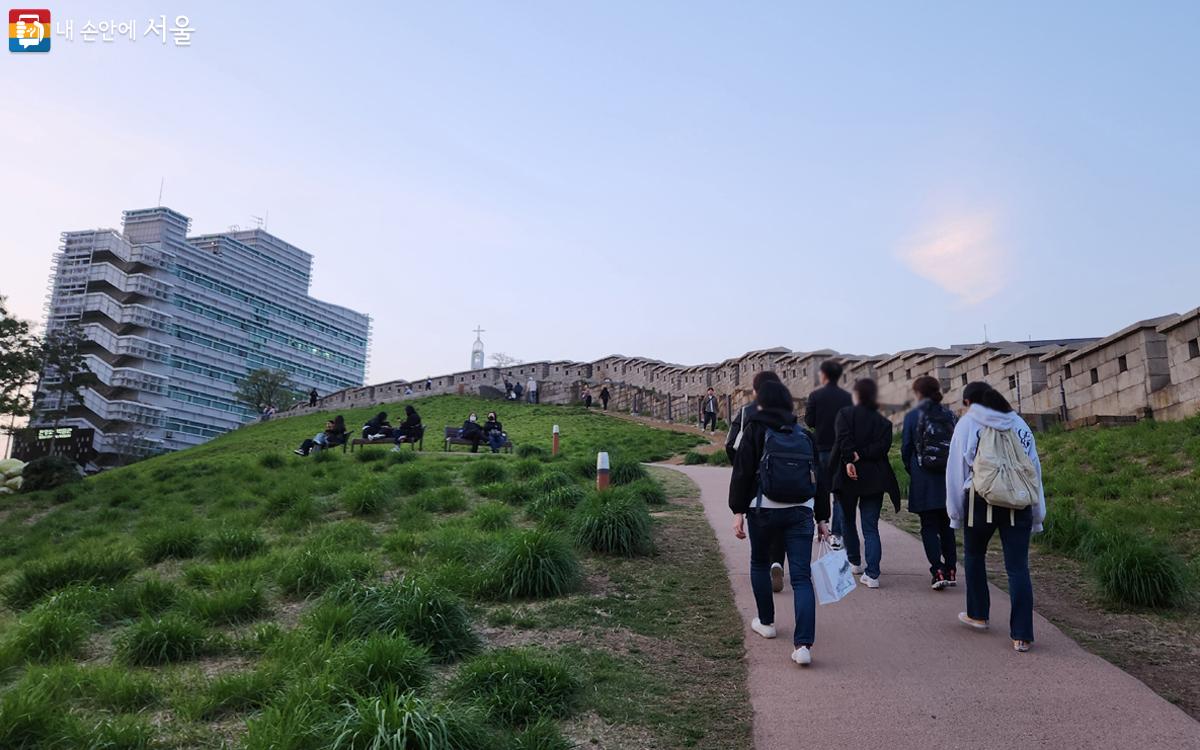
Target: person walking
(732, 442)
(993, 448)
(925, 450)
(587, 397)
(312, 397)
(604, 396)
(782, 499)
(532, 389)
(820, 413)
(428, 384)
(862, 474)
(709, 411)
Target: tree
(65, 373)
(20, 357)
(500, 359)
(262, 388)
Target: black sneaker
(950, 577)
(938, 581)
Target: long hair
(775, 396)
(868, 393)
(928, 387)
(763, 377)
(339, 423)
(985, 395)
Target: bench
(415, 440)
(452, 438)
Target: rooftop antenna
(161, 181)
(985, 338)
(258, 220)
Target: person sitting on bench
(410, 428)
(493, 431)
(471, 432)
(334, 434)
(377, 427)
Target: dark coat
(470, 430)
(869, 434)
(493, 425)
(926, 489)
(743, 483)
(821, 410)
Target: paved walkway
(894, 669)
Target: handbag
(831, 575)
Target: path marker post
(554, 448)
(601, 471)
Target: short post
(601, 471)
(554, 450)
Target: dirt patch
(591, 731)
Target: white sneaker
(869, 582)
(835, 542)
(802, 656)
(766, 631)
(858, 569)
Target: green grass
(514, 687)
(164, 640)
(533, 565)
(613, 522)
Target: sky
(681, 180)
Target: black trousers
(710, 417)
(938, 538)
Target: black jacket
(743, 484)
(869, 434)
(710, 404)
(735, 428)
(471, 430)
(411, 419)
(492, 425)
(820, 413)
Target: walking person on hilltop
(773, 490)
(709, 409)
(861, 475)
(587, 397)
(733, 441)
(428, 384)
(532, 389)
(994, 483)
(312, 397)
(604, 396)
(820, 413)
(925, 451)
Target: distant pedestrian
(925, 451)
(312, 397)
(428, 384)
(994, 447)
(531, 388)
(604, 396)
(518, 389)
(820, 414)
(781, 501)
(862, 474)
(709, 412)
(587, 397)
(508, 390)
(408, 391)
(267, 413)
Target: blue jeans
(870, 507)
(496, 440)
(796, 526)
(837, 520)
(1014, 538)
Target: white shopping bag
(831, 575)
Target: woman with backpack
(994, 484)
(861, 475)
(772, 492)
(924, 449)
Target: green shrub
(492, 516)
(614, 523)
(179, 542)
(237, 692)
(37, 579)
(718, 458)
(311, 571)
(517, 493)
(584, 467)
(171, 638)
(112, 733)
(517, 686)
(31, 717)
(233, 543)
(552, 481)
(380, 662)
(447, 499)
(48, 472)
(692, 458)
(559, 498)
(529, 450)
(626, 472)
(403, 721)
(535, 564)
(1138, 572)
(408, 480)
(241, 603)
(271, 461)
(648, 491)
(48, 633)
(527, 468)
(110, 687)
(366, 497)
(146, 597)
(554, 519)
(541, 735)
(485, 471)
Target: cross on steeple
(479, 331)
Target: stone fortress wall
(1148, 369)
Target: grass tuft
(479, 473)
(517, 686)
(694, 458)
(542, 735)
(313, 570)
(626, 472)
(614, 523)
(234, 543)
(241, 603)
(404, 721)
(37, 579)
(492, 516)
(379, 662)
(1137, 572)
(151, 641)
(178, 542)
(271, 461)
(648, 491)
(535, 564)
(366, 497)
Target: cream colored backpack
(1002, 474)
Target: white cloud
(962, 256)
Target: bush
(517, 493)
(552, 481)
(241, 603)
(485, 471)
(47, 633)
(535, 564)
(528, 450)
(447, 499)
(561, 498)
(542, 735)
(171, 638)
(48, 472)
(38, 579)
(613, 523)
(517, 686)
(718, 458)
(648, 491)
(30, 717)
(311, 571)
(492, 516)
(380, 662)
(403, 721)
(146, 597)
(1134, 571)
(233, 543)
(693, 458)
(366, 497)
(626, 472)
(179, 542)
(527, 469)
(271, 461)
(584, 467)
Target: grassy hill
(236, 595)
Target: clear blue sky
(680, 180)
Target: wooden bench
(415, 440)
(452, 438)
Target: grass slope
(235, 595)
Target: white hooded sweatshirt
(962, 455)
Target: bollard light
(601, 471)
(554, 450)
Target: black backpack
(787, 471)
(935, 427)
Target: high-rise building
(174, 322)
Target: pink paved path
(894, 669)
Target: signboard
(75, 443)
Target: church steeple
(477, 350)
